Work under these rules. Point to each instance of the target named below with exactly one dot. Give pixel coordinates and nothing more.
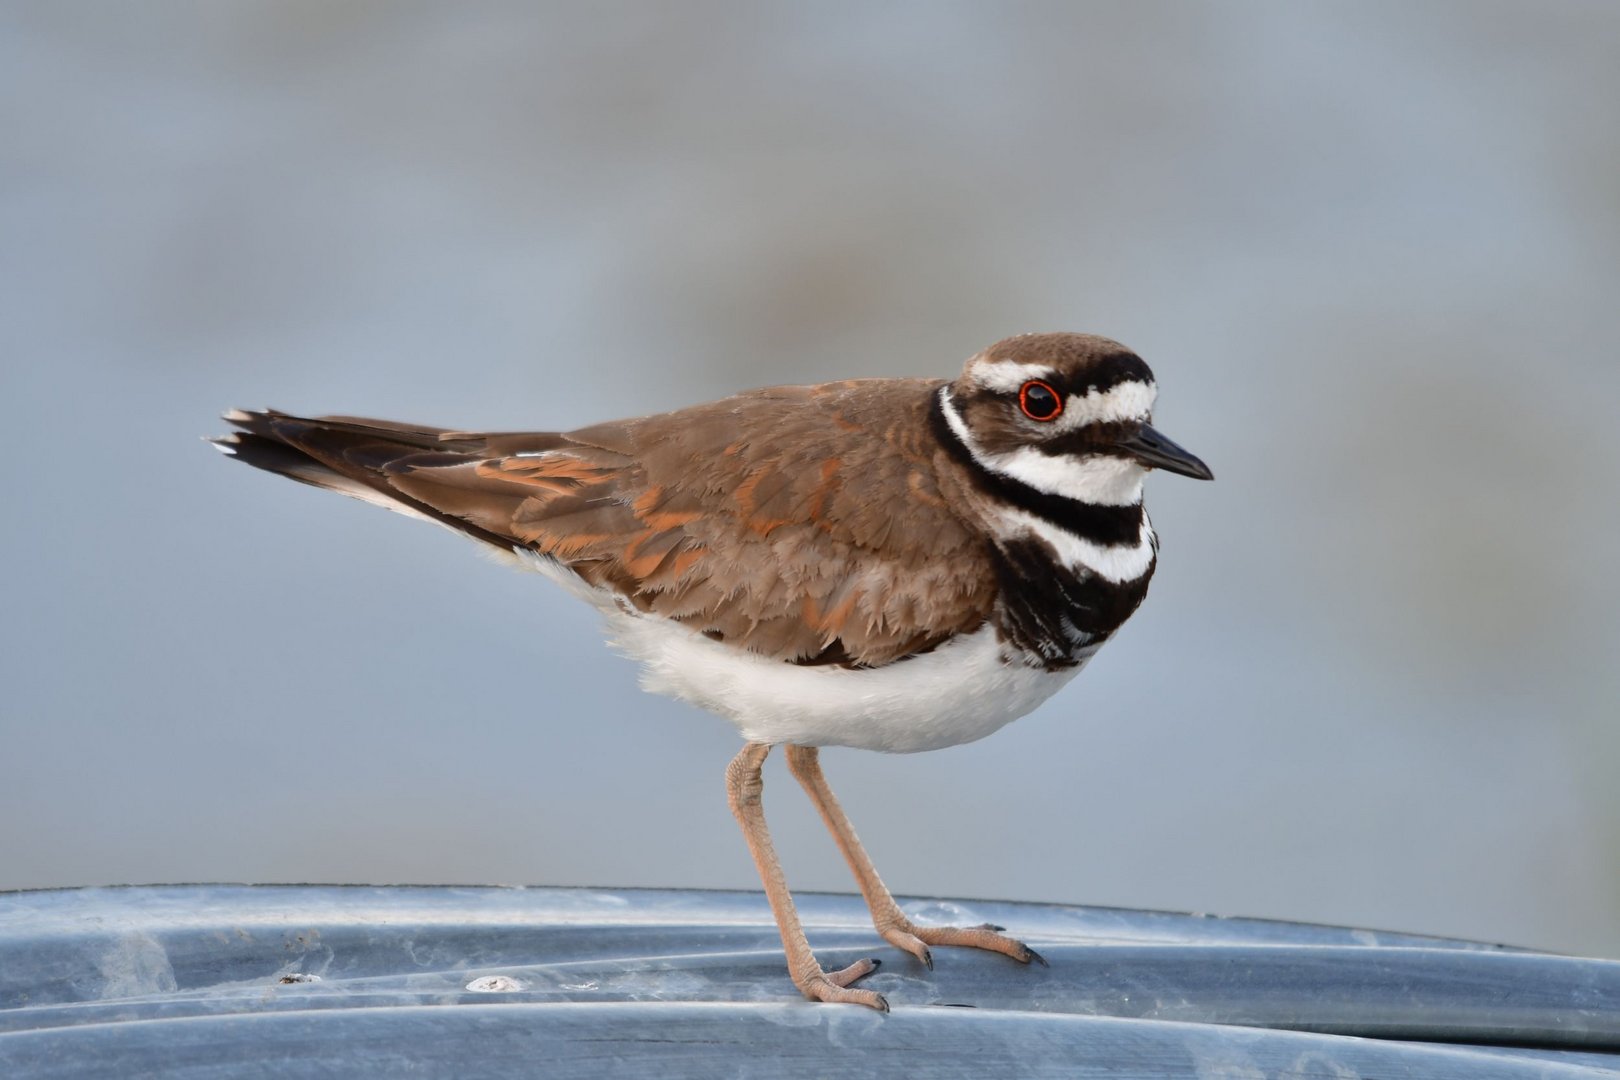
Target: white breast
(962, 691)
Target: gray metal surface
(234, 981)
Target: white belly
(960, 692)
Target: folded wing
(740, 519)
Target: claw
(1035, 956)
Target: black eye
(1039, 401)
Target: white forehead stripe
(1102, 480)
(1129, 400)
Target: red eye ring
(1039, 401)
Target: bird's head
(1067, 414)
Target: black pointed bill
(1155, 451)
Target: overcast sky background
(1371, 250)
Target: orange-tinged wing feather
(808, 524)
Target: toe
(978, 937)
(858, 970)
(911, 943)
(824, 989)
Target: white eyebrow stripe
(1006, 376)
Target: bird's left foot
(914, 939)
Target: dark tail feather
(349, 455)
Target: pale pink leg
(745, 788)
(897, 930)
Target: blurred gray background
(1372, 251)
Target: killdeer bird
(890, 564)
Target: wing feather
(808, 524)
